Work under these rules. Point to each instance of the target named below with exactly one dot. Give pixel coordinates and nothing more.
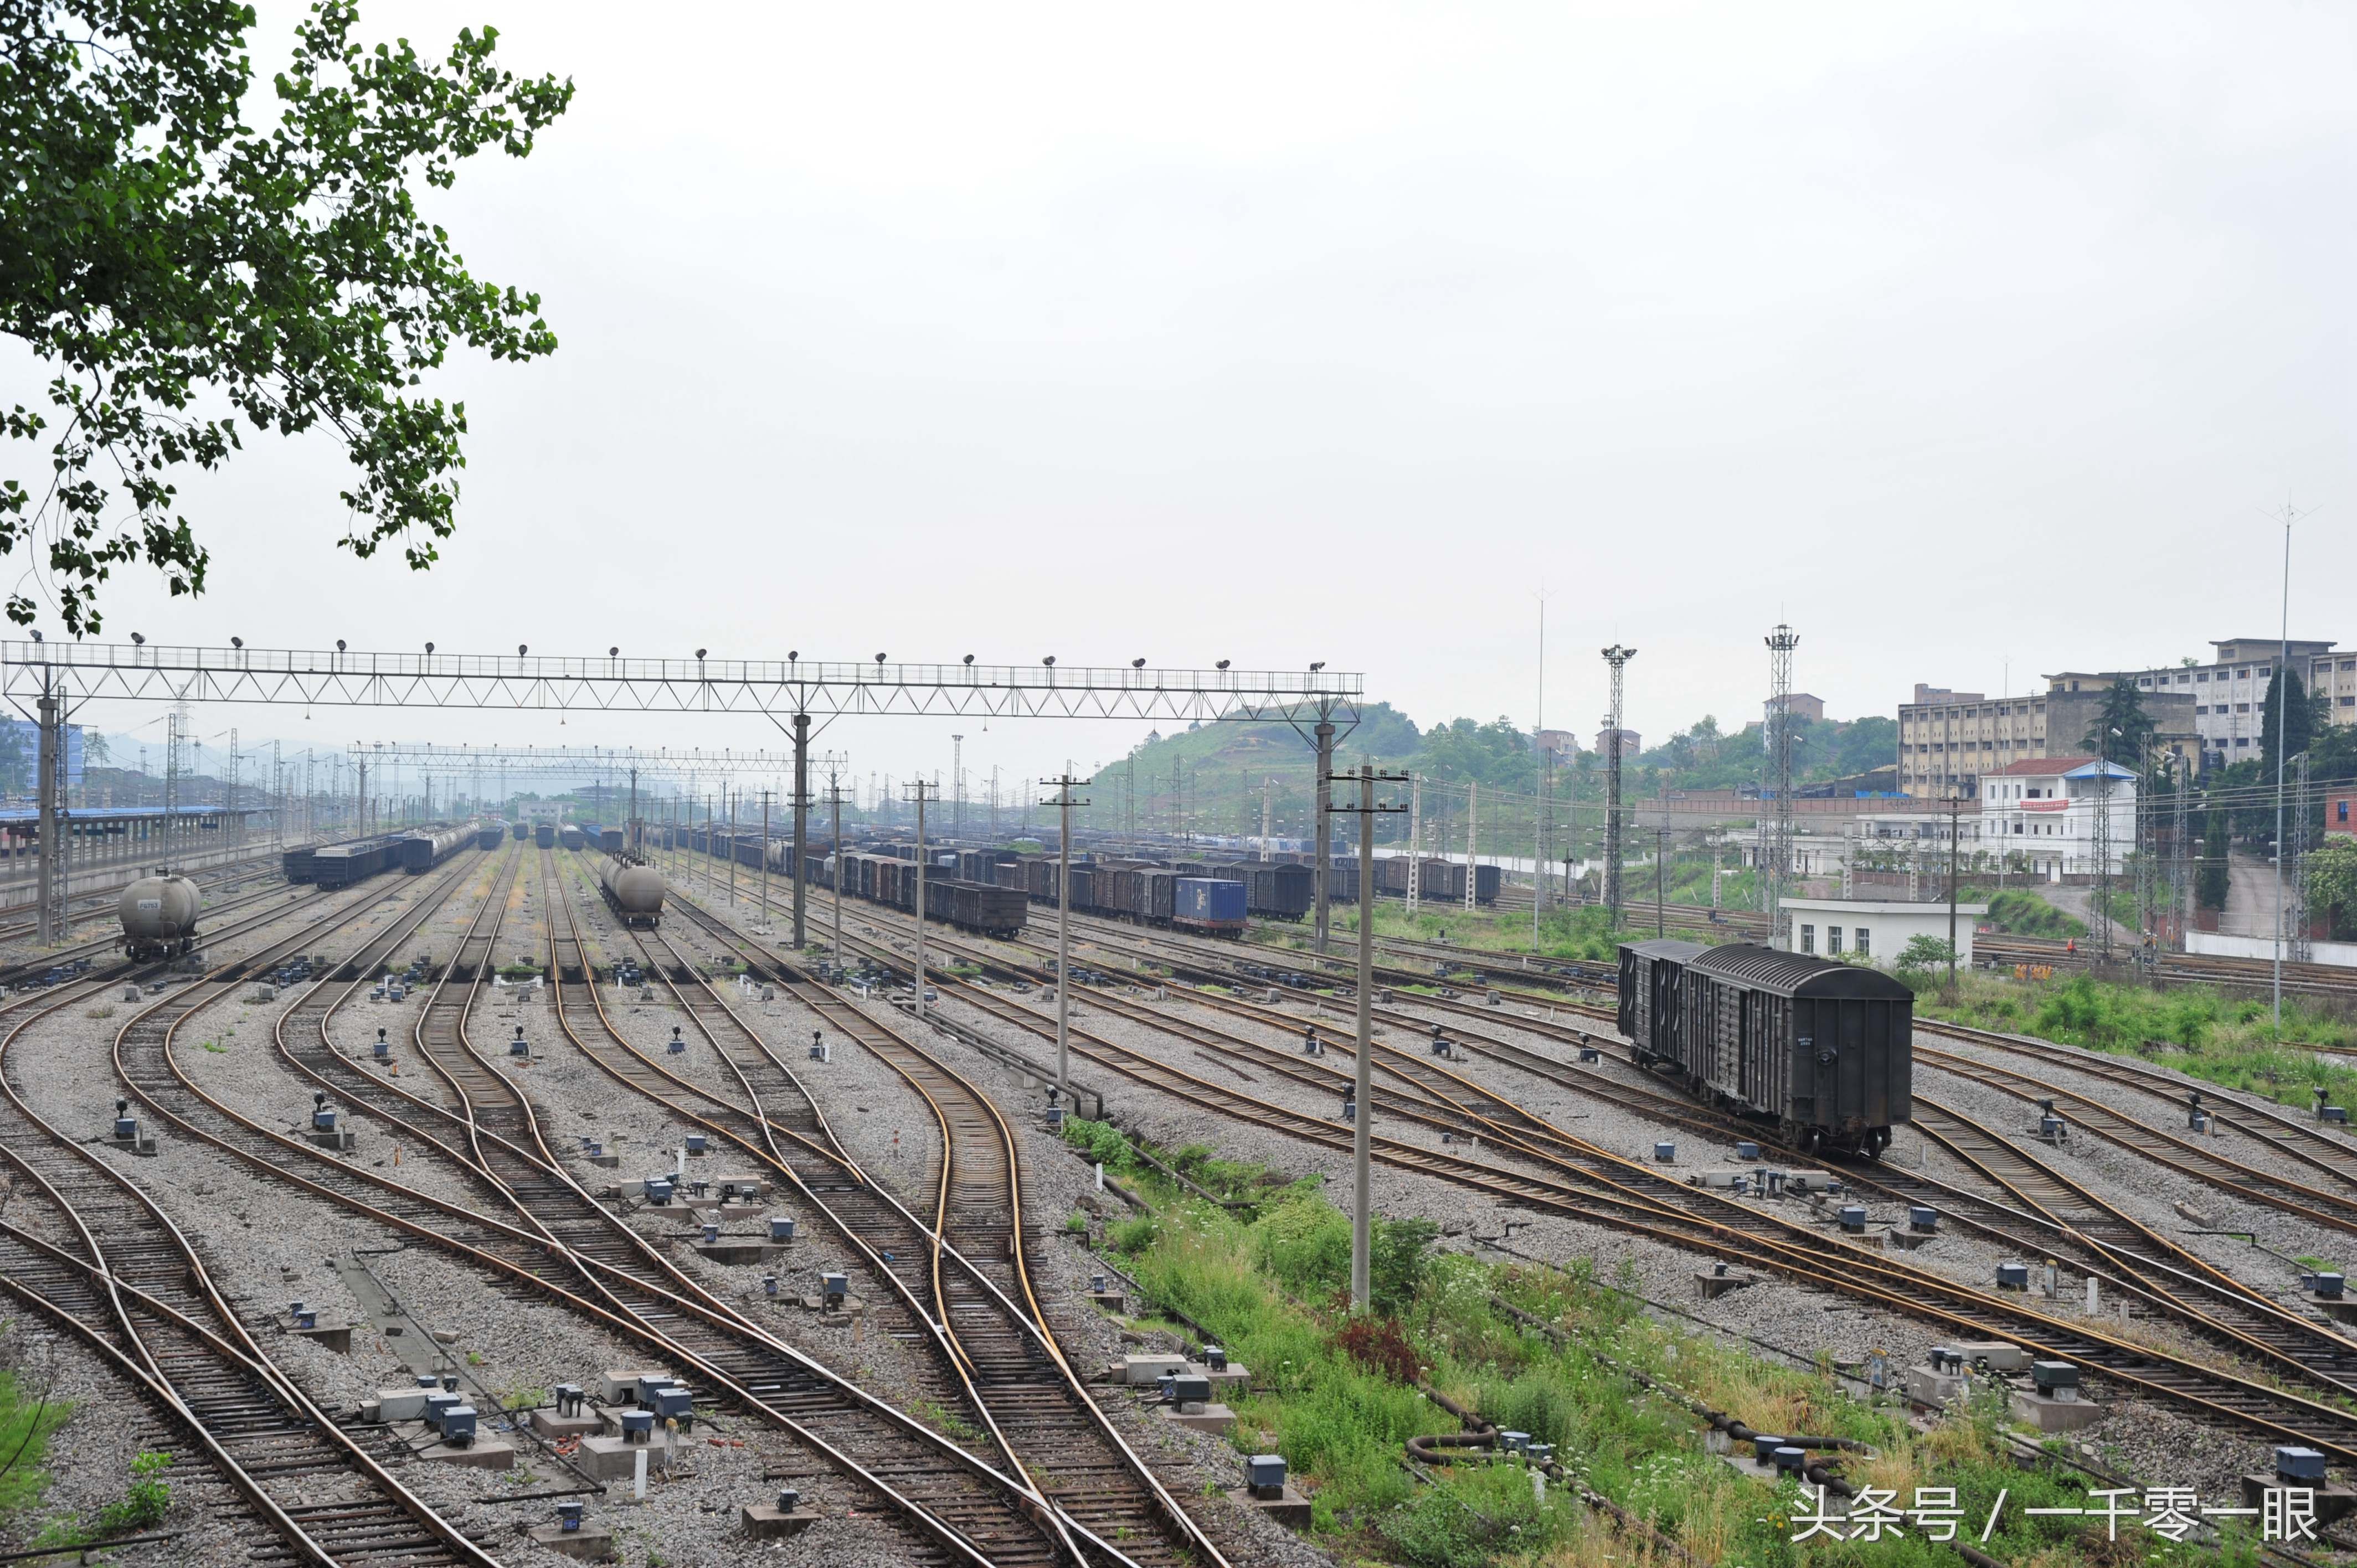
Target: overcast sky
(1965, 338)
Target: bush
(1398, 1259)
(1378, 1345)
(1100, 1141)
(1306, 1247)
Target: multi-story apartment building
(1800, 704)
(2230, 693)
(1948, 741)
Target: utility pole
(1781, 644)
(51, 891)
(1617, 657)
(1472, 824)
(764, 905)
(919, 785)
(2297, 920)
(1064, 803)
(1415, 847)
(1546, 778)
(2281, 695)
(1363, 1097)
(1660, 881)
(957, 786)
(2103, 846)
(834, 794)
(1955, 805)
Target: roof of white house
(2056, 767)
(1879, 906)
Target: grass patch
(1339, 1397)
(2207, 1034)
(26, 1421)
(146, 1498)
(2023, 913)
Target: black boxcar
(1824, 1050)
(522, 831)
(1651, 990)
(298, 867)
(570, 837)
(342, 865)
(492, 837)
(544, 835)
(610, 840)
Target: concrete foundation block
(341, 1141)
(2340, 1309)
(550, 1424)
(611, 1459)
(605, 1162)
(1710, 1286)
(400, 1404)
(1898, 1238)
(736, 1253)
(1216, 1419)
(1937, 1390)
(1994, 1354)
(1147, 1371)
(1234, 1375)
(2051, 1415)
(143, 1145)
(619, 1385)
(590, 1543)
(1291, 1510)
(1108, 1300)
(485, 1453)
(338, 1340)
(2332, 1503)
(763, 1522)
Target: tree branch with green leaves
(189, 276)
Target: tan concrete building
(2230, 693)
(1949, 740)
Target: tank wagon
(544, 835)
(633, 889)
(522, 831)
(491, 835)
(159, 916)
(420, 852)
(570, 837)
(1822, 1051)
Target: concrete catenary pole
(801, 825)
(834, 793)
(1362, 1144)
(1322, 862)
(919, 785)
(1064, 803)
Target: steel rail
(1619, 1186)
(168, 1265)
(526, 1253)
(908, 1059)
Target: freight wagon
(522, 831)
(341, 864)
(544, 835)
(570, 837)
(420, 852)
(1211, 905)
(491, 835)
(1823, 1051)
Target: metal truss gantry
(789, 693)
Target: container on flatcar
(1209, 904)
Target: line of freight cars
(1823, 1051)
(342, 865)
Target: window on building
(2146, 682)
(2016, 827)
(2342, 813)
(2183, 677)
(2242, 675)
(2241, 707)
(2204, 675)
(1808, 939)
(2349, 664)
(2241, 740)
(2349, 701)
(1864, 942)
(2265, 671)
(1833, 940)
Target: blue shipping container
(1209, 901)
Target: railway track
(116, 1273)
(1583, 1182)
(99, 905)
(586, 1258)
(976, 1248)
(527, 1265)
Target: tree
(2120, 726)
(2301, 730)
(2332, 884)
(1496, 753)
(1922, 954)
(2209, 883)
(185, 271)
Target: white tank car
(159, 916)
(635, 891)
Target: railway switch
(677, 1045)
(1945, 1359)
(638, 1426)
(458, 1425)
(568, 1518)
(1747, 1151)
(519, 1047)
(1594, 1054)
(1264, 1475)
(770, 1286)
(384, 1047)
(699, 1142)
(789, 1498)
(711, 1234)
(1665, 1154)
(2013, 1276)
(833, 1288)
(1923, 1217)
(1215, 1357)
(1853, 1218)
(781, 1228)
(571, 1399)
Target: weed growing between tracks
(1339, 1397)
(2204, 1032)
(27, 1417)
